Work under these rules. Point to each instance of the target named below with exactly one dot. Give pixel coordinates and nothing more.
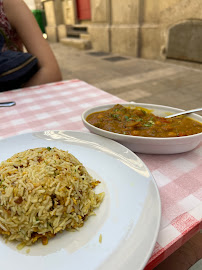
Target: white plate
(128, 219)
(148, 145)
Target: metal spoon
(185, 112)
(7, 104)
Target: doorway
(83, 9)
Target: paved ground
(170, 83)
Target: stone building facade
(152, 29)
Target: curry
(141, 122)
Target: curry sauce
(141, 122)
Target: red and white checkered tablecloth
(58, 106)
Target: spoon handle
(185, 112)
(7, 104)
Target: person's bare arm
(22, 19)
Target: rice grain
(44, 191)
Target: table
(58, 106)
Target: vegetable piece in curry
(141, 122)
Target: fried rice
(44, 191)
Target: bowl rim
(121, 136)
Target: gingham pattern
(179, 177)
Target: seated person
(19, 29)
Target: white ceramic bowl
(148, 145)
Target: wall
(99, 29)
(141, 28)
(54, 18)
(125, 26)
(159, 17)
(34, 4)
(115, 26)
(30, 4)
